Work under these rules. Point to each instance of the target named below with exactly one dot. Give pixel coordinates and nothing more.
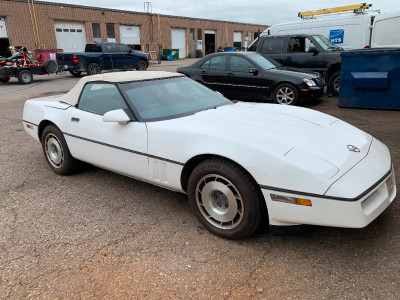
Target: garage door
(237, 39)
(71, 36)
(130, 35)
(179, 41)
(3, 29)
(4, 42)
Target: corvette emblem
(353, 148)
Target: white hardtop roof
(72, 96)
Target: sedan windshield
(325, 43)
(263, 62)
(170, 98)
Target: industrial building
(47, 25)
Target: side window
(309, 44)
(205, 65)
(272, 46)
(111, 48)
(297, 44)
(218, 62)
(239, 64)
(253, 46)
(123, 48)
(99, 98)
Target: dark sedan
(248, 75)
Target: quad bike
(23, 65)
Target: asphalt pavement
(100, 235)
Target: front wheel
(141, 65)
(286, 94)
(56, 151)
(225, 199)
(334, 83)
(93, 69)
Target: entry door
(110, 145)
(179, 41)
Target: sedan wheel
(225, 199)
(141, 65)
(286, 94)
(56, 151)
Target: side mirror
(117, 115)
(314, 50)
(254, 71)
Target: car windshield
(170, 98)
(325, 43)
(264, 63)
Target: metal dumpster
(43, 55)
(370, 78)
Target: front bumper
(326, 211)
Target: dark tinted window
(218, 62)
(206, 65)
(253, 46)
(272, 45)
(240, 64)
(100, 98)
(123, 48)
(110, 30)
(111, 48)
(93, 48)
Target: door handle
(230, 74)
(288, 58)
(203, 72)
(75, 120)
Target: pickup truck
(306, 52)
(102, 56)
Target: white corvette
(238, 162)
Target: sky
(263, 12)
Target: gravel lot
(101, 235)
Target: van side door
(272, 47)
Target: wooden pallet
(153, 55)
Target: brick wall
(19, 23)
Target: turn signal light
(291, 200)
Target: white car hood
(310, 140)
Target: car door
(110, 145)
(245, 79)
(273, 47)
(214, 73)
(128, 57)
(115, 56)
(300, 54)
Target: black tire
(76, 73)
(225, 199)
(93, 68)
(334, 83)
(286, 94)
(141, 65)
(50, 66)
(56, 151)
(25, 77)
(4, 79)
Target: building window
(250, 36)
(79, 30)
(65, 30)
(110, 32)
(191, 34)
(199, 34)
(58, 30)
(72, 30)
(96, 32)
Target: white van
(347, 30)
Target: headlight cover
(309, 82)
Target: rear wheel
(141, 65)
(25, 77)
(76, 73)
(93, 69)
(4, 79)
(56, 151)
(225, 199)
(334, 83)
(286, 94)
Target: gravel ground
(101, 235)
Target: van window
(272, 46)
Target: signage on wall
(199, 45)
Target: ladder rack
(356, 8)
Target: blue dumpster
(370, 78)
